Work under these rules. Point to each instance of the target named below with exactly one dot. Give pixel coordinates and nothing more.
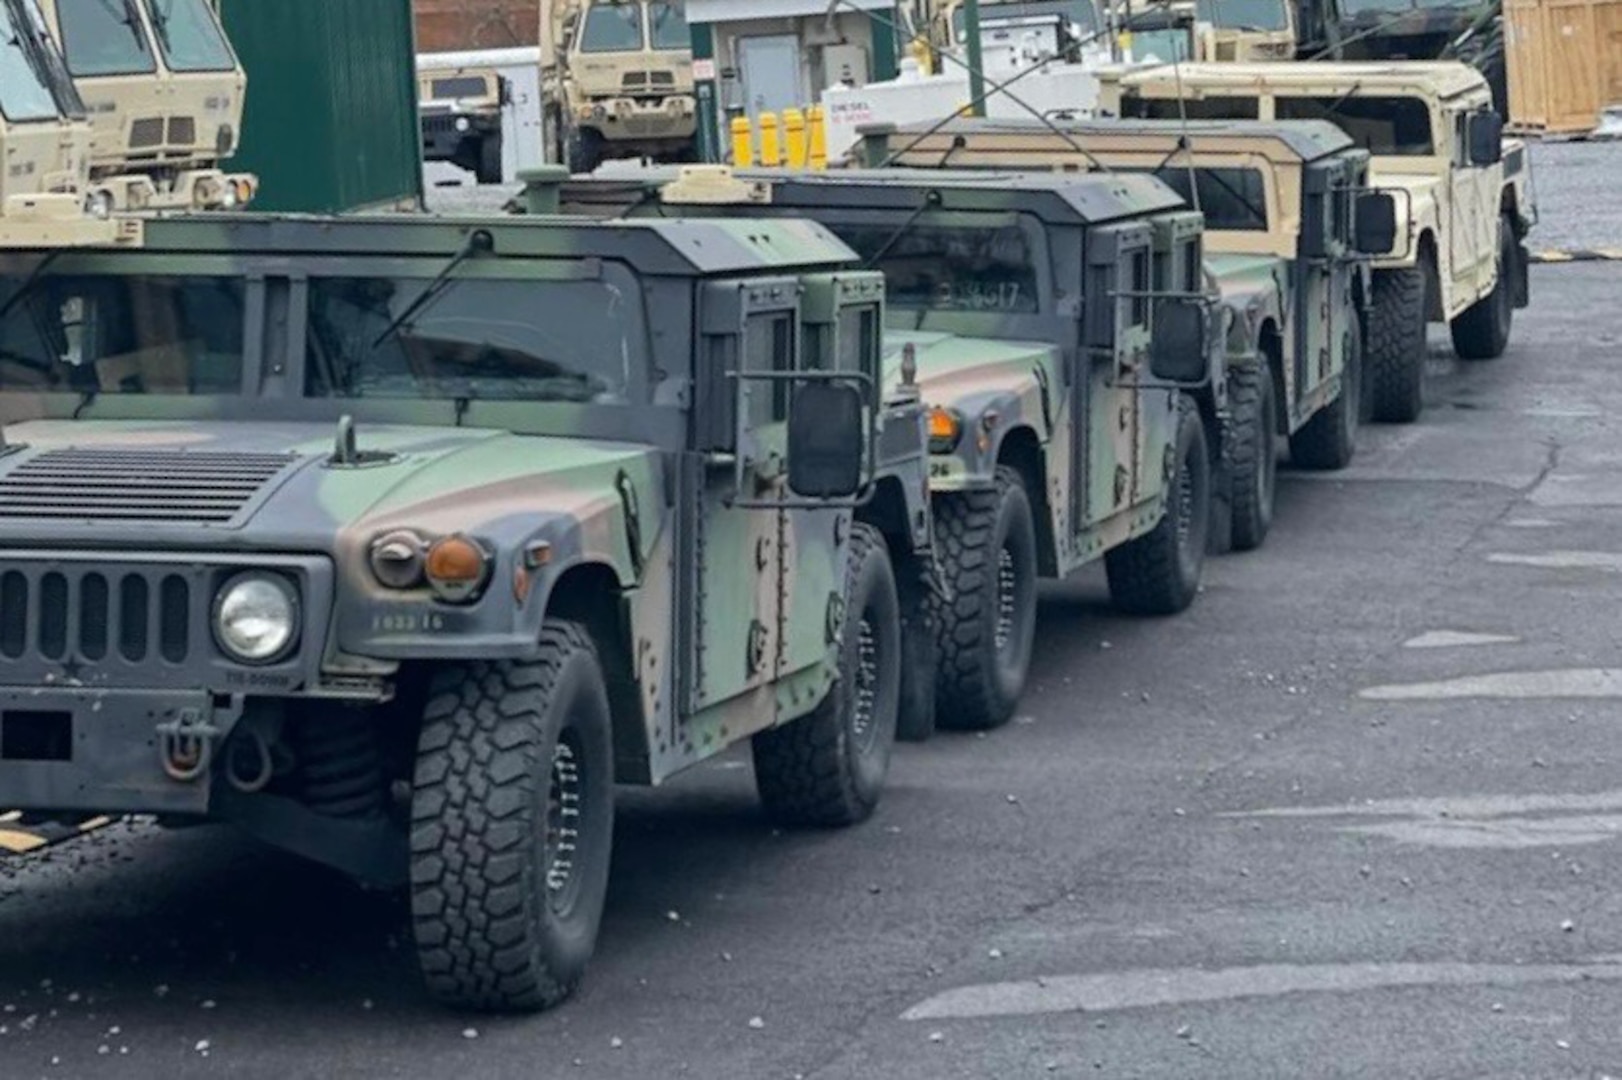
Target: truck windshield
(464, 86)
(24, 93)
(1243, 14)
(117, 334)
(1384, 126)
(474, 340)
(104, 37)
(190, 36)
(668, 26)
(612, 27)
(1081, 13)
(1232, 199)
(950, 267)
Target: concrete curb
(19, 836)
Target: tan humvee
(1463, 197)
(164, 92)
(617, 79)
(460, 109)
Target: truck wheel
(512, 819)
(828, 767)
(1329, 439)
(585, 150)
(915, 588)
(490, 160)
(1481, 332)
(1396, 344)
(1159, 572)
(987, 547)
(1254, 404)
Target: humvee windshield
(612, 27)
(1232, 199)
(668, 26)
(1243, 14)
(464, 86)
(104, 37)
(1397, 126)
(24, 93)
(481, 339)
(949, 267)
(189, 36)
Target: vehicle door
(1472, 190)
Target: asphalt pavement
(1355, 814)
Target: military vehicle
(397, 541)
(1462, 193)
(617, 80)
(164, 92)
(1050, 354)
(461, 119)
(1288, 216)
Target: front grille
(633, 81)
(438, 125)
(75, 615)
(182, 131)
(146, 133)
(662, 79)
(137, 485)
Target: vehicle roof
(1308, 140)
(1055, 198)
(1444, 77)
(672, 246)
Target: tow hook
(186, 745)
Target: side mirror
(1486, 136)
(1375, 232)
(826, 439)
(1177, 350)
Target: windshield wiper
(30, 283)
(478, 242)
(931, 200)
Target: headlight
(462, 123)
(256, 618)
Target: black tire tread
(965, 687)
(472, 818)
(1143, 573)
(1394, 345)
(1249, 441)
(1328, 440)
(1475, 331)
(800, 771)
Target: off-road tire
(1254, 462)
(584, 149)
(920, 654)
(505, 750)
(1158, 573)
(827, 768)
(1481, 332)
(489, 171)
(1395, 344)
(1328, 440)
(986, 630)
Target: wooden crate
(1565, 63)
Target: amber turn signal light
(945, 428)
(457, 568)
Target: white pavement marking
(1508, 685)
(1580, 489)
(1181, 986)
(1532, 523)
(1447, 639)
(1503, 822)
(1458, 806)
(1562, 560)
(1499, 833)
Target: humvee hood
(275, 485)
(952, 369)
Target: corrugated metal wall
(331, 120)
(462, 25)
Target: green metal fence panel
(331, 118)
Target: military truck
(1051, 358)
(461, 119)
(1288, 218)
(1462, 193)
(397, 541)
(164, 92)
(617, 80)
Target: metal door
(769, 68)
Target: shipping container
(466, 25)
(1565, 63)
(331, 120)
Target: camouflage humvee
(397, 541)
(1463, 197)
(164, 91)
(460, 110)
(1051, 359)
(1283, 247)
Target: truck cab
(164, 92)
(1462, 191)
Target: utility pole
(977, 73)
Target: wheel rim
(864, 707)
(564, 807)
(1007, 599)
